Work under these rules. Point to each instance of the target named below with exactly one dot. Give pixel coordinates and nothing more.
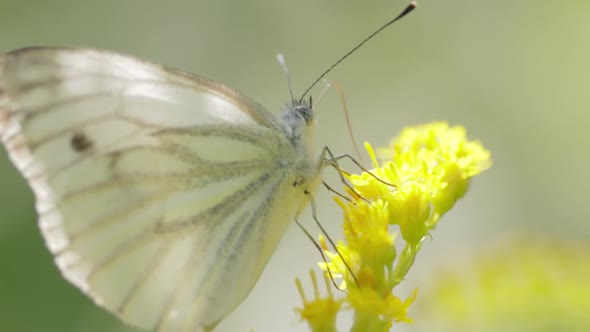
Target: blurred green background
(516, 74)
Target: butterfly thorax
(299, 122)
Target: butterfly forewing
(154, 187)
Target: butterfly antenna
(405, 12)
(283, 64)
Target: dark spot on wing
(80, 142)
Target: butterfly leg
(333, 161)
(325, 233)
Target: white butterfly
(160, 193)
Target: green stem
(404, 263)
(367, 323)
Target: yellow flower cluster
(529, 283)
(426, 170)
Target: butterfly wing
(156, 190)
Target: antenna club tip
(414, 4)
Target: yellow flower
(428, 170)
(367, 234)
(411, 206)
(376, 311)
(336, 262)
(441, 158)
(320, 313)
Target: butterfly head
(298, 114)
(303, 108)
(298, 118)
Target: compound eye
(305, 112)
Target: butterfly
(161, 194)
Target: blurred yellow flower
(525, 284)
